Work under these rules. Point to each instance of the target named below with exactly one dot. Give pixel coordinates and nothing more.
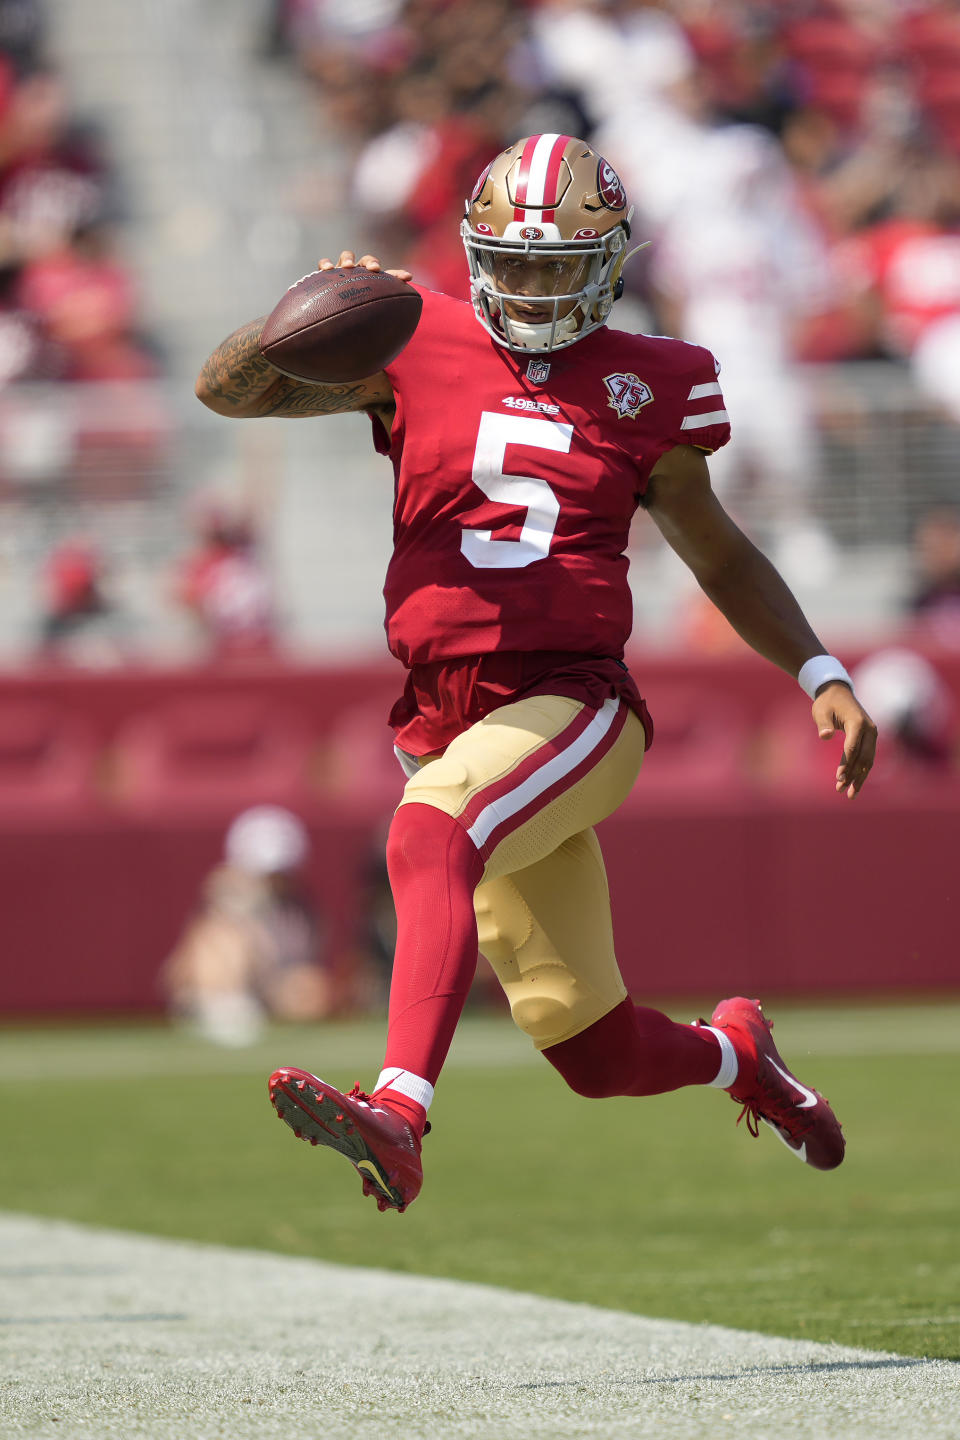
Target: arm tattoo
(236, 371)
(292, 399)
(237, 378)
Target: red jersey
(517, 476)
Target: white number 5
(541, 504)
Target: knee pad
(501, 931)
(543, 1011)
(540, 993)
(547, 1000)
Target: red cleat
(381, 1146)
(767, 1091)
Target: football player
(523, 434)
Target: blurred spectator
(255, 947)
(318, 29)
(737, 267)
(927, 41)
(906, 266)
(913, 708)
(81, 621)
(54, 181)
(410, 180)
(935, 601)
(613, 57)
(83, 299)
(224, 584)
(62, 281)
(22, 32)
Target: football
(340, 325)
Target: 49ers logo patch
(628, 394)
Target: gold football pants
(528, 783)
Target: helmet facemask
(545, 233)
(574, 283)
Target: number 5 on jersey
(535, 495)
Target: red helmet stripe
(538, 176)
(553, 173)
(523, 176)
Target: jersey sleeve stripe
(700, 392)
(698, 422)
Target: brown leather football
(340, 325)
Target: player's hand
(349, 261)
(836, 708)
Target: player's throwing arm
(321, 350)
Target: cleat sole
(314, 1117)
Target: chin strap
(537, 337)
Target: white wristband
(819, 670)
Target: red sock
(434, 869)
(636, 1051)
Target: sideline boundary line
(106, 1334)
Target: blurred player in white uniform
(737, 266)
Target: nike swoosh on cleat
(799, 1150)
(368, 1168)
(810, 1099)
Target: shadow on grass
(811, 1367)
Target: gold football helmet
(546, 233)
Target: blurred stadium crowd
(795, 165)
(801, 156)
(68, 308)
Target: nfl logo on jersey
(628, 394)
(538, 371)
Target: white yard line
(106, 1334)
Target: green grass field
(657, 1206)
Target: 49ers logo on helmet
(610, 188)
(531, 232)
